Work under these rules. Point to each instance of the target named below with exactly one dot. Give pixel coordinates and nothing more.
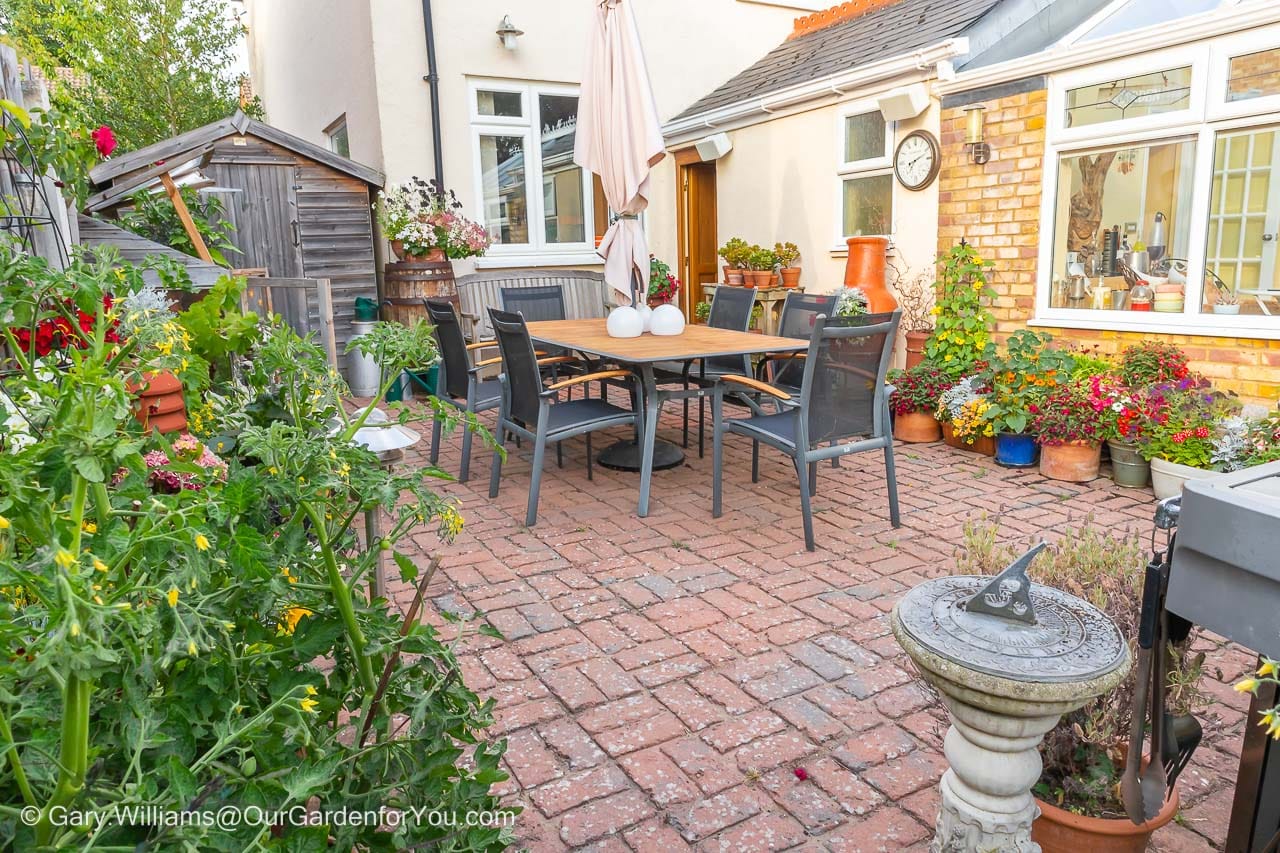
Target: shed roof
(880, 33)
(132, 248)
(186, 145)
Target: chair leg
(802, 471)
(755, 461)
(495, 472)
(590, 475)
(702, 419)
(535, 484)
(717, 454)
(891, 480)
(435, 439)
(813, 478)
(466, 453)
(686, 417)
(559, 454)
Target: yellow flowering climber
(202, 542)
(173, 596)
(309, 705)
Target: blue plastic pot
(1016, 450)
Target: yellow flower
(309, 705)
(202, 542)
(4, 523)
(1268, 668)
(64, 558)
(98, 565)
(75, 629)
(89, 527)
(124, 605)
(173, 596)
(97, 599)
(192, 649)
(1248, 685)
(311, 691)
(292, 617)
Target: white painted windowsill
(539, 259)
(1206, 327)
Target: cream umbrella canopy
(619, 137)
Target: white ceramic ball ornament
(667, 320)
(646, 315)
(624, 322)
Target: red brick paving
(661, 678)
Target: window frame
(1211, 115)
(538, 250)
(338, 124)
(872, 167)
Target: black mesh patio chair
(841, 408)
(799, 315)
(458, 382)
(731, 309)
(535, 412)
(536, 304)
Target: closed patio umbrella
(619, 137)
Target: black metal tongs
(1144, 790)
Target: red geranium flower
(105, 139)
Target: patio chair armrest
(557, 359)
(599, 376)
(756, 385)
(481, 345)
(783, 356)
(488, 361)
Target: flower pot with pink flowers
(914, 402)
(424, 223)
(1071, 432)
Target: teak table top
(591, 336)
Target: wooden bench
(586, 296)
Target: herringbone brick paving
(661, 679)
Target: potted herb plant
(788, 254)
(1021, 377)
(962, 317)
(736, 253)
(702, 311)
(914, 401)
(1070, 431)
(757, 315)
(1084, 755)
(962, 411)
(851, 302)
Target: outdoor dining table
(591, 338)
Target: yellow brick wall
(996, 208)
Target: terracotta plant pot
(435, 255)
(791, 277)
(916, 428)
(761, 279)
(735, 278)
(1060, 831)
(161, 406)
(915, 348)
(986, 445)
(1075, 462)
(865, 270)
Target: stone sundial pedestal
(1008, 658)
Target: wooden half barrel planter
(407, 283)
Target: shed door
(264, 212)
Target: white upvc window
(864, 173)
(1168, 160)
(534, 201)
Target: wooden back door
(696, 226)
(264, 212)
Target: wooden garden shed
(299, 210)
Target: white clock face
(915, 161)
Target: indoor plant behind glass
(1084, 754)
(914, 402)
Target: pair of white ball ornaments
(628, 322)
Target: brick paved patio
(661, 678)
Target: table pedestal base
(625, 456)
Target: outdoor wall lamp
(507, 33)
(974, 118)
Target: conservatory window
(1131, 97)
(1254, 75)
(1138, 14)
(1244, 213)
(1120, 208)
(533, 197)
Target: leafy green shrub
(154, 216)
(211, 643)
(963, 321)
